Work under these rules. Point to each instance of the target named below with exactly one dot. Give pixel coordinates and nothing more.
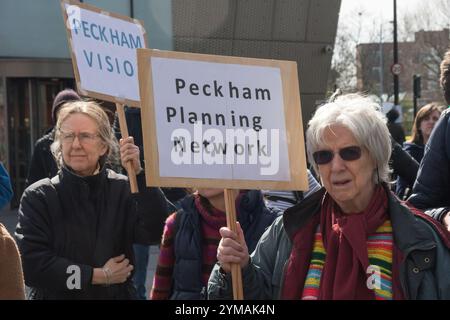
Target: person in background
(11, 275)
(395, 128)
(282, 200)
(423, 125)
(351, 240)
(431, 191)
(76, 230)
(42, 164)
(190, 239)
(402, 164)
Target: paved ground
(9, 219)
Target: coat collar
(298, 215)
(67, 175)
(409, 231)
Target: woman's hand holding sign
(130, 152)
(232, 248)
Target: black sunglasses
(348, 154)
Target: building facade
(419, 57)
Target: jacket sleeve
(151, 207)
(11, 277)
(259, 275)
(5, 187)
(42, 267)
(403, 164)
(163, 277)
(432, 187)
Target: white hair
(363, 117)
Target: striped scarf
(347, 271)
(379, 249)
(211, 220)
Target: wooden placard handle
(124, 132)
(236, 272)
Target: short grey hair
(363, 117)
(96, 113)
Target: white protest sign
(237, 102)
(223, 122)
(103, 53)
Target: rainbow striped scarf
(379, 249)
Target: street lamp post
(395, 54)
(381, 62)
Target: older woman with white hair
(353, 239)
(76, 230)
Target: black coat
(83, 222)
(43, 164)
(416, 151)
(397, 132)
(432, 187)
(403, 164)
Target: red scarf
(212, 216)
(345, 242)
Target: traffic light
(417, 85)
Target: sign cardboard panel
(221, 122)
(103, 48)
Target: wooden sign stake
(236, 272)
(124, 132)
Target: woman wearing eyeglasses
(76, 230)
(350, 240)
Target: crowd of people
(354, 234)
